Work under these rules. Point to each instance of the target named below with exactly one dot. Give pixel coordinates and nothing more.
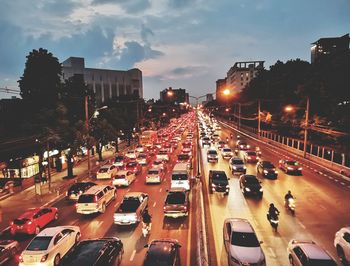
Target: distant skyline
(185, 44)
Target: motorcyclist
(227, 139)
(273, 211)
(288, 196)
(231, 135)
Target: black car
(163, 252)
(218, 182)
(266, 169)
(95, 252)
(250, 185)
(8, 250)
(77, 189)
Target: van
(180, 177)
(95, 199)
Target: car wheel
(103, 209)
(77, 238)
(57, 260)
(56, 216)
(341, 254)
(37, 230)
(291, 260)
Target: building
(241, 74)
(329, 46)
(220, 87)
(208, 98)
(174, 96)
(106, 84)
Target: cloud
(134, 6)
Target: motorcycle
(290, 205)
(258, 151)
(273, 219)
(146, 228)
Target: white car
(342, 244)
(212, 155)
(50, 245)
(123, 178)
(305, 253)
(107, 171)
(163, 155)
(241, 243)
(226, 153)
(131, 154)
(154, 175)
(140, 148)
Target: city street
(320, 208)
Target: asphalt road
(321, 207)
(100, 225)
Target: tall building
(241, 73)
(175, 96)
(106, 83)
(220, 87)
(329, 46)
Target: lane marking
(323, 207)
(160, 190)
(272, 252)
(154, 204)
(133, 255)
(342, 183)
(302, 225)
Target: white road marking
(336, 180)
(154, 204)
(302, 225)
(272, 252)
(128, 190)
(342, 183)
(322, 207)
(160, 190)
(133, 255)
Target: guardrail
(315, 154)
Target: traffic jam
(132, 196)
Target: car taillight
(135, 168)
(249, 157)
(30, 222)
(185, 208)
(20, 259)
(44, 258)
(95, 199)
(66, 193)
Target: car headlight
(265, 171)
(244, 167)
(234, 167)
(213, 185)
(300, 168)
(276, 172)
(261, 189)
(44, 258)
(227, 186)
(247, 189)
(290, 168)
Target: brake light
(185, 208)
(66, 193)
(30, 222)
(95, 199)
(20, 259)
(44, 258)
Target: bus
(148, 137)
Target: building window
(246, 74)
(247, 78)
(92, 77)
(241, 74)
(100, 78)
(241, 83)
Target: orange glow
(226, 92)
(170, 93)
(289, 108)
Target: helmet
(289, 192)
(271, 205)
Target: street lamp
(87, 126)
(290, 108)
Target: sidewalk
(17, 203)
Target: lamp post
(290, 108)
(87, 126)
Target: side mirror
(167, 190)
(146, 246)
(261, 242)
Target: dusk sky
(185, 44)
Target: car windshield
(156, 256)
(251, 153)
(85, 253)
(119, 159)
(120, 176)
(142, 156)
(292, 163)
(153, 172)
(315, 262)
(86, 198)
(157, 162)
(220, 176)
(212, 152)
(179, 177)
(163, 152)
(251, 180)
(237, 161)
(244, 239)
(175, 198)
(183, 157)
(131, 164)
(226, 150)
(243, 143)
(103, 170)
(20, 221)
(268, 165)
(39, 243)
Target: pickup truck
(131, 208)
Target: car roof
(133, 194)
(122, 172)
(153, 169)
(95, 189)
(106, 166)
(312, 250)
(240, 225)
(52, 231)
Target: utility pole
(239, 115)
(306, 124)
(259, 119)
(88, 133)
(48, 163)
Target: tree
(40, 83)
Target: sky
(185, 44)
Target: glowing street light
(226, 92)
(289, 108)
(170, 93)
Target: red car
(33, 220)
(134, 167)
